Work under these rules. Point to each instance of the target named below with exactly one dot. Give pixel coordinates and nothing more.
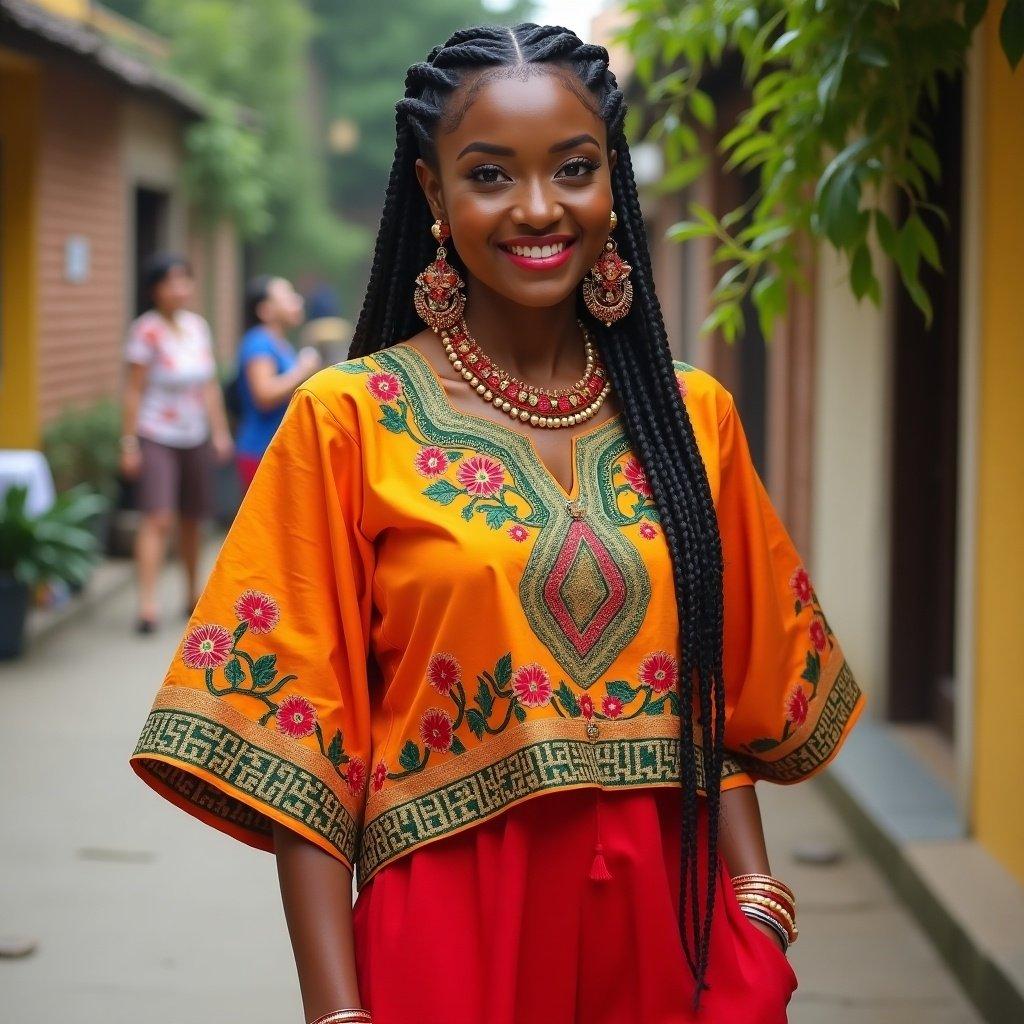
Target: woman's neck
(540, 345)
(274, 330)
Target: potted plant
(56, 545)
(81, 447)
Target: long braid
(639, 361)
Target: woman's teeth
(537, 252)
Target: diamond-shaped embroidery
(586, 589)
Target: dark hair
(155, 269)
(639, 361)
(256, 291)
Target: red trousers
(502, 923)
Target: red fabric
(246, 466)
(502, 923)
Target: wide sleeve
(265, 712)
(791, 698)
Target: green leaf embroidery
(264, 670)
(503, 670)
(519, 712)
(409, 758)
(760, 746)
(442, 492)
(568, 700)
(484, 698)
(812, 671)
(352, 367)
(392, 420)
(498, 515)
(673, 699)
(476, 723)
(620, 689)
(240, 631)
(458, 747)
(233, 672)
(467, 513)
(334, 749)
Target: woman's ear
(431, 185)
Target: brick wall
(81, 192)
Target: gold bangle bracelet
(776, 910)
(764, 890)
(766, 901)
(753, 876)
(353, 1015)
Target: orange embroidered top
(411, 625)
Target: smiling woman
(530, 627)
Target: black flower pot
(14, 598)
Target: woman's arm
(132, 398)
(741, 838)
(270, 389)
(220, 432)
(316, 890)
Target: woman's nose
(537, 206)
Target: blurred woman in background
(269, 369)
(173, 423)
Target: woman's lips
(539, 254)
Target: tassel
(599, 869)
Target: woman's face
(283, 305)
(173, 291)
(524, 181)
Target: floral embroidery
(821, 641)
(207, 647)
(681, 382)
(659, 671)
(532, 685)
(431, 462)
(518, 533)
(648, 532)
(528, 686)
(258, 611)
(210, 647)
(296, 717)
(634, 473)
(443, 672)
(385, 387)
(481, 476)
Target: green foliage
(57, 545)
(836, 90)
(81, 447)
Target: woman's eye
(578, 168)
(487, 174)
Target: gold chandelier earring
(439, 297)
(607, 289)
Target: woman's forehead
(524, 101)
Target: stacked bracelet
(354, 1015)
(769, 900)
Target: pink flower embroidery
(636, 477)
(431, 462)
(356, 775)
(258, 611)
(611, 707)
(207, 647)
(586, 706)
(800, 584)
(797, 706)
(296, 717)
(481, 476)
(385, 387)
(380, 774)
(647, 531)
(443, 672)
(681, 382)
(532, 685)
(818, 637)
(659, 671)
(436, 729)
(518, 533)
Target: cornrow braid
(639, 362)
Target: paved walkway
(143, 914)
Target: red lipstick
(531, 250)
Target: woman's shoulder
(701, 391)
(342, 390)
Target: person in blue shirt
(269, 368)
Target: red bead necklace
(540, 407)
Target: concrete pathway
(144, 915)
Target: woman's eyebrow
(493, 150)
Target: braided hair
(639, 363)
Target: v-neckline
(570, 495)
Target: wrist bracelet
(352, 1015)
(756, 915)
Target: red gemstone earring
(439, 297)
(607, 290)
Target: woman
(471, 556)
(269, 369)
(173, 423)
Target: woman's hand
(223, 446)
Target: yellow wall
(19, 116)
(999, 711)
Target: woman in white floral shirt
(173, 425)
